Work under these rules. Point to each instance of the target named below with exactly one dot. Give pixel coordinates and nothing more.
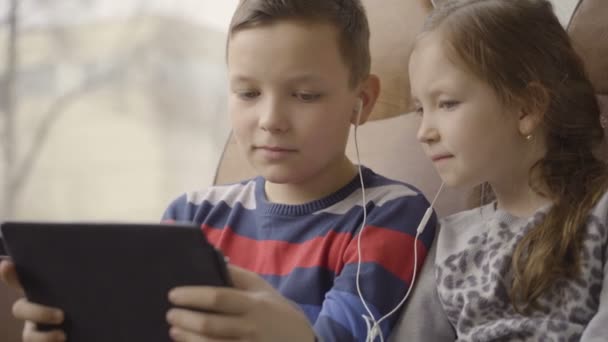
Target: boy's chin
(277, 175)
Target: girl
(504, 100)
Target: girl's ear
(533, 110)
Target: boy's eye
(248, 94)
(448, 105)
(307, 97)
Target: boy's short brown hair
(348, 16)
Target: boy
(299, 77)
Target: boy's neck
(322, 185)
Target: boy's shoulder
(242, 192)
(400, 195)
(390, 186)
(188, 205)
(382, 195)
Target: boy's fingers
(31, 335)
(179, 335)
(8, 273)
(247, 280)
(28, 311)
(209, 325)
(217, 299)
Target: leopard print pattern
(473, 287)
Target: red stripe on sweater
(389, 248)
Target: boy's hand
(251, 311)
(30, 312)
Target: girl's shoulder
(468, 219)
(597, 222)
(600, 211)
(457, 230)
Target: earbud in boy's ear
(357, 111)
(359, 107)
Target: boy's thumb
(8, 274)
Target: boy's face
(290, 101)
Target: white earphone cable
(373, 325)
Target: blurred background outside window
(109, 109)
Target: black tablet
(3, 253)
(111, 280)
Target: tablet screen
(111, 280)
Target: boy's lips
(441, 156)
(274, 148)
(274, 153)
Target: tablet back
(111, 280)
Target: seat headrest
(588, 30)
(394, 25)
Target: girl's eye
(307, 97)
(448, 105)
(248, 95)
(419, 110)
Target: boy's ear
(533, 110)
(368, 94)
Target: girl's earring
(529, 137)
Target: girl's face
(465, 129)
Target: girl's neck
(512, 189)
(519, 200)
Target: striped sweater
(309, 252)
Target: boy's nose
(273, 118)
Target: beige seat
(589, 31)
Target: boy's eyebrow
(241, 78)
(307, 77)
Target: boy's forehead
(300, 50)
(303, 29)
(311, 78)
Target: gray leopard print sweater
(463, 296)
